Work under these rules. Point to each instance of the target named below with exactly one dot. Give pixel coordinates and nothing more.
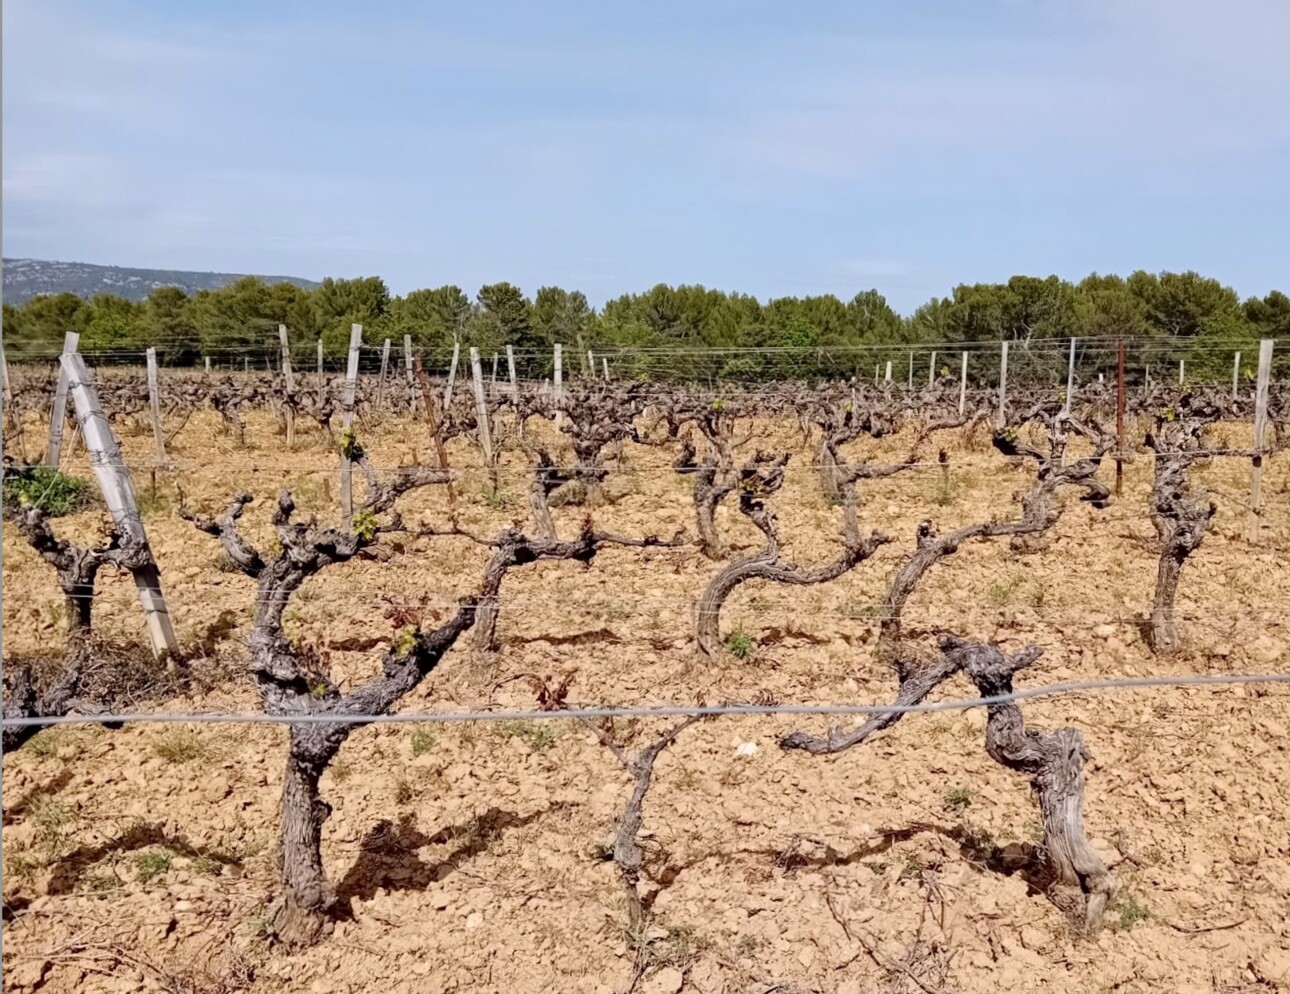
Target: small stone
(746, 749)
(668, 980)
(474, 920)
(1104, 631)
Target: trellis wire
(646, 711)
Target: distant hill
(27, 278)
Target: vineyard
(609, 683)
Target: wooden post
(208, 365)
(1148, 379)
(876, 367)
(407, 366)
(1070, 380)
(559, 382)
(591, 365)
(118, 493)
(452, 377)
(1119, 416)
(154, 406)
(246, 364)
(347, 421)
(887, 378)
(1182, 363)
(510, 371)
(1236, 373)
(604, 361)
(427, 401)
(4, 373)
(1003, 384)
(322, 381)
(58, 415)
(963, 386)
(385, 366)
(481, 408)
(289, 382)
(931, 371)
(1260, 429)
(911, 371)
(492, 380)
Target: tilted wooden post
(118, 493)
(289, 381)
(963, 386)
(154, 406)
(385, 366)
(1003, 385)
(481, 408)
(58, 415)
(1260, 430)
(4, 374)
(407, 365)
(510, 370)
(347, 422)
(452, 376)
(427, 401)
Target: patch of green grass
(55, 493)
(740, 644)
(422, 742)
(101, 881)
(1001, 592)
(45, 744)
(1131, 911)
(179, 745)
(538, 734)
(152, 502)
(498, 500)
(50, 816)
(957, 798)
(152, 863)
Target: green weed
(740, 644)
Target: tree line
(797, 336)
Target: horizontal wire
(649, 711)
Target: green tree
(338, 304)
(435, 318)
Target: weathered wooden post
(347, 423)
(931, 371)
(559, 383)
(887, 378)
(452, 377)
(1003, 384)
(1236, 373)
(154, 406)
(208, 365)
(963, 386)
(58, 415)
(289, 384)
(407, 366)
(510, 371)
(322, 380)
(1260, 430)
(1181, 365)
(1070, 380)
(911, 371)
(481, 409)
(1119, 415)
(591, 365)
(118, 493)
(604, 361)
(385, 366)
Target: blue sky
(766, 147)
